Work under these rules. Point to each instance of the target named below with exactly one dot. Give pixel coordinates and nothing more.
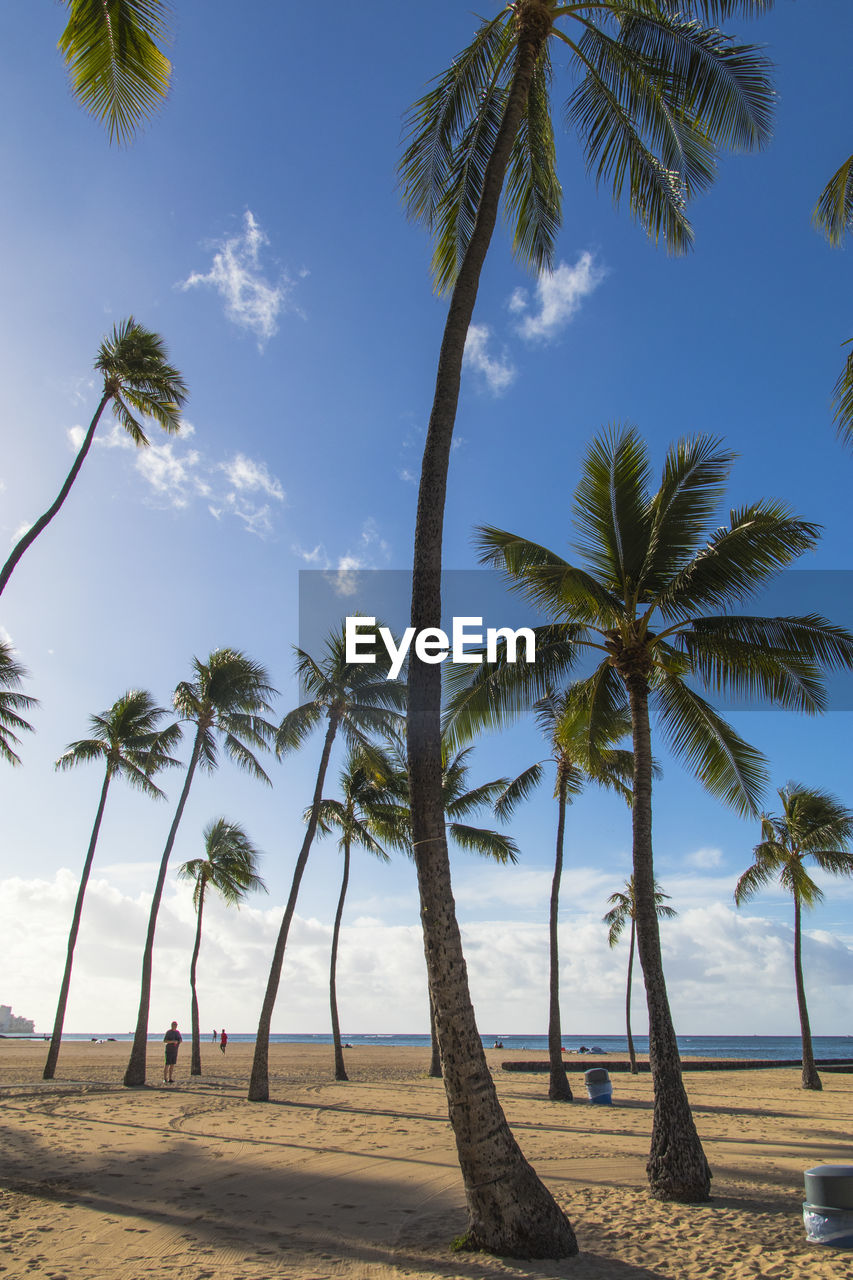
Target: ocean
(767, 1047)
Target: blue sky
(256, 225)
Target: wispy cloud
(369, 551)
(558, 297)
(252, 300)
(498, 372)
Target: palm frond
(533, 196)
(611, 508)
(692, 486)
(518, 790)
(842, 401)
(833, 214)
(489, 844)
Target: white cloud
(20, 531)
(558, 297)
(498, 373)
(172, 477)
(247, 476)
(369, 552)
(726, 973)
(252, 301)
(704, 858)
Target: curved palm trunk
(259, 1084)
(135, 1073)
(509, 1209)
(677, 1168)
(631, 1054)
(558, 1088)
(56, 1038)
(435, 1051)
(340, 1069)
(195, 1067)
(811, 1079)
(44, 520)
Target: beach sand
(360, 1180)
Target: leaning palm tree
(393, 819)
(360, 701)
(230, 866)
(814, 826)
(117, 69)
(226, 700)
(834, 216)
(12, 703)
(658, 92)
(579, 758)
(657, 601)
(361, 784)
(622, 909)
(137, 380)
(130, 743)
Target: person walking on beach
(223, 1039)
(172, 1040)
(215, 1035)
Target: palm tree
(653, 562)
(362, 788)
(393, 819)
(812, 825)
(230, 866)
(137, 379)
(129, 741)
(834, 216)
(358, 700)
(226, 699)
(117, 69)
(657, 93)
(622, 909)
(12, 703)
(578, 758)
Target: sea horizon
(708, 1046)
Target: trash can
(828, 1206)
(598, 1086)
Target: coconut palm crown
(115, 62)
(140, 383)
(812, 826)
(12, 703)
(622, 909)
(655, 595)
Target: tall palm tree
(230, 866)
(622, 909)
(657, 93)
(362, 788)
(579, 758)
(814, 826)
(131, 744)
(12, 703)
(393, 820)
(137, 380)
(226, 700)
(834, 216)
(656, 600)
(117, 68)
(358, 700)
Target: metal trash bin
(598, 1086)
(828, 1207)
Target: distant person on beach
(172, 1040)
(223, 1039)
(215, 1035)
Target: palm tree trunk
(44, 520)
(435, 1051)
(135, 1073)
(259, 1084)
(340, 1069)
(677, 1168)
(509, 1210)
(56, 1038)
(559, 1089)
(631, 1053)
(195, 1068)
(811, 1079)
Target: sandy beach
(360, 1180)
